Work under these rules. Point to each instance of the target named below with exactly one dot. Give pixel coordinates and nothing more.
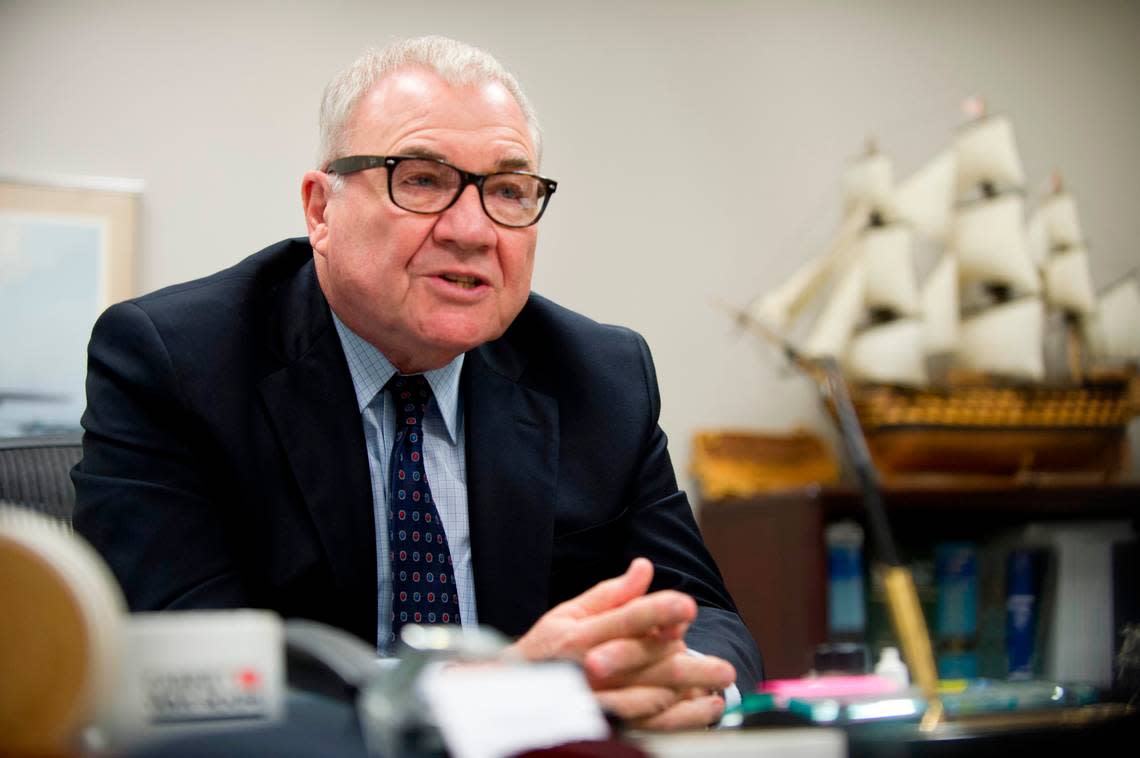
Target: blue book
(1025, 572)
(956, 613)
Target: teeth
(467, 282)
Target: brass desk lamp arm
(902, 597)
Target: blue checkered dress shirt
(444, 460)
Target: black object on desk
(1100, 730)
(315, 725)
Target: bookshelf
(771, 551)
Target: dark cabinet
(771, 551)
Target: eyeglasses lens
(513, 199)
(425, 186)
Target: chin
(456, 344)
(452, 342)
(459, 335)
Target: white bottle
(891, 666)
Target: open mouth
(466, 282)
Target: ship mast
(1065, 269)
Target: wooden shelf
(771, 552)
(998, 497)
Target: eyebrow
(514, 164)
(423, 152)
(505, 164)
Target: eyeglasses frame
(353, 163)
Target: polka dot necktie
(423, 585)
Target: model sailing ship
(950, 373)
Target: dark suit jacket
(224, 460)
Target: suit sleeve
(143, 496)
(663, 530)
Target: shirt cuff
(731, 692)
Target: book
(1080, 635)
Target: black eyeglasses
(427, 185)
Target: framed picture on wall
(67, 251)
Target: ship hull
(997, 430)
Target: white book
(1080, 637)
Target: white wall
(697, 142)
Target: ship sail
(1060, 221)
(1005, 340)
(1065, 261)
(985, 306)
(891, 353)
(986, 153)
(866, 189)
(1068, 283)
(780, 307)
(891, 284)
(880, 279)
(989, 239)
(834, 327)
(883, 324)
(889, 350)
(867, 181)
(940, 307)
(926, 199)
(1037, 240)
(1113, 330)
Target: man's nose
(465, 224)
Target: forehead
(415, 110)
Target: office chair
(35, 472)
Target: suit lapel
(313, 408)
(512, 468)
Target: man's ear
(316, 189)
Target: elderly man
(381, 425)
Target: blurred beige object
(60, 639)
(739, 463)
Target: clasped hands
(631, 646)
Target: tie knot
(411, 395)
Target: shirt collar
(370, 370)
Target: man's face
(402, 280)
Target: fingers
(613, 609)
(661, 708)
(663, 615)
(651, 615)
(635, 704)
(625, 663)
(613, 593)
(670, 632)
(616, 658)
(685, 714)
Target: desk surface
(794, 742)
(319, 726)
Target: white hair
(457, 63)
